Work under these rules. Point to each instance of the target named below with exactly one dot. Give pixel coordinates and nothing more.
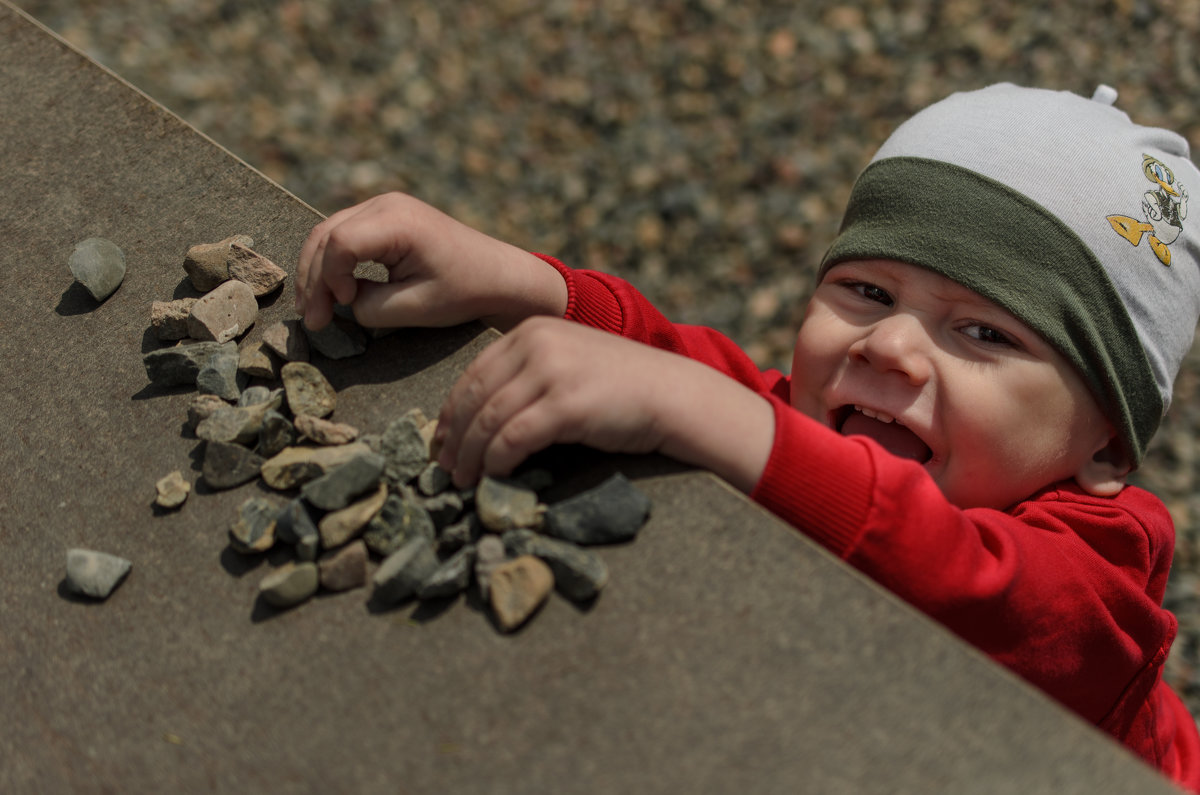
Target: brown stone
(224, 314)
(295, 466)
(307, 390)
(343, 525)
(169, 318)
(201, 407)
(325, 432)
(248, 266)
(506, 505)
(255, 361)
(517, 588)
(287, 338)
(172, 490)
(290, 584)
(345, 568)
(207, 264)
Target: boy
(990, 347)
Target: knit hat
(1059, 209)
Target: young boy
(990, 347)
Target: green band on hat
(1012, 251)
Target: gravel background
(701, 148)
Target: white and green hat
(1061, 210)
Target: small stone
(275, 435)
(219, 376)
(579, 574)
(248, 266)
(290, 584)
(223, 314)
(489, 553)
(455, 536)
(398, 522)
(406, 452)
(180, 364)
(433, 479)
(294, 466)
(99, 265)
(610, 513)
(342, 484)
(288, 340)
(451, 577)
(172, 490)
(94, 574)
(444, 508)
(341, 339)
(239, 424)
(340, 526)
(295, 524)
(169, 318)
(227, 465)
(201, 407)
(257, 395)
(207, 264)
(402, 572)
(254, 529)
(255, 361)
(517, 588)
(325, 431)
(308, 392)
(505, 505)
(344, 569)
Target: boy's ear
(1104, 474)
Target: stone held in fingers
(609, 513)
(207, 264)
(308, 391)
(579, 574)
(223, 314)
(227, 465)
(294, 466)
(288, 340)
(338, 487)
(517, 588)
(324, 431)
(505, 505)
(290, 584)
(179, 365)
(94, 574)
(254, 529)
(172, 490)
(400, 575)
(99, 265)
(169, 319)
(344, 569)
(341, 339)
(343, 525)
(253, 269)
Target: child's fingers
(496, 427)
(308, 269)
(490, 370)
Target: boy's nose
(898, 343)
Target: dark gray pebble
(228, 465)
(338, 487)
(254, 529)
(612, 512)
(180, 364)
(402, 572)
(451, 577)
(397, 523)
(579, 574)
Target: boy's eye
(872, 292)
(988, 335)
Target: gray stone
(257, 395)
(338, 487)
(444, 508)
(288, 340)
(99, 265)
(172, 490)
(453, 537)
(94, 574)
(340, 526)
(517, 588)
(233, 424)
(253, 269)
(207, 264)
(579, 574)
(227, 465)
(219, 375)
(489, 553)
(325, 431)
(201, 407)
(290, 584)
(341, 339)
(506, 505)
(398, 522)
(308, 391)
(345, 568)
(256, 361)
(402, 572)
(295, 466)
(254, 529)
(180, 364)
(451, 577)
(223, 314)
(610, 513)
(433, 479)
(296, 524)
(275, 435)
(404, 448)
(169, 318)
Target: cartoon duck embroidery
(1165, 207)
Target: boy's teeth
(875, 415)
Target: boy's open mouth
(890, 434)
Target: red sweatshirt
(1065, 588)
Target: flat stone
(220, 376)
(290, 584)
(257, 395)
(398, 522)
(253, 269)
(341, 339)
(402, 572)
(288, 340)
(179, 365)
(207, 264)
(611, 512)
(340, 526)
(254, 529)
(308, 391)
(276, 434)
(344, 569)
(296, 524)
(94, 574)
(506, 505)
(256, 361)
(172, 490)
(518, 588)
(404, 448)
(227, 465)
(433, 479)
(451, 577)
(579, 574)
(223, 314)
(489, 553)
(240, 424)
(325, 431)
(99, 265)
(169, 318)
(338, 487)
(295, 466)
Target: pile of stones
(352, 502)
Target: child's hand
(441, 272)
(553, 381)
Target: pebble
(169, 318)
(288, 340)
(506, 505)
(451, 577)
(239, 424)
(207, 264)
(290, 584)
(99, 265)
(579, 574)
(225, 313)
(489, 553)
(404, 448)
(457, 535)
(325, 431)
(400, 575)
(228, 465)
(517, 588)
(340, 526)
(256, 361)
(201, 407)
(219, 375)
(444, 508)
(172, 490)
(180, 364)
(341, 339)
(253, 269)
(344, 569)
(254, 529)
(295, 524)
(338, 487)
(94, 574)
(609, 513)
(258, 394)
(308, 391)
(433, 479)
(276, 434)
(295, 466)
(398, 522)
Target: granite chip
(94, 574)
(404, 448)
(517, 588)
(344, 569)
(254, 529)
(223, 314)
(288, 340)
(290, 584)
(172, 490)
(227, 465)
(609, 513)
(324, 431)
(219, 376)
(338, 487)
(398, 522)
(99, 265)
(253, 269)
(506, 505)
(308, 391)
(400, 575)
(169, 318)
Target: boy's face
(935, 372)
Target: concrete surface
(727, 653)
